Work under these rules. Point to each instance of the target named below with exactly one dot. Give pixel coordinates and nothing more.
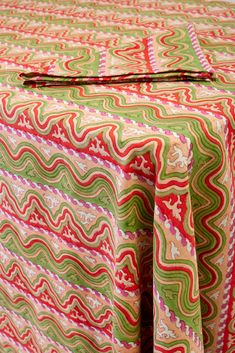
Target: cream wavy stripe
(33, 328)
(12, 349)
(107, 12)
(146, 6)
(63, 304)
(38, 51)
(54, 236)
(85, 19)
(158, 19)
(18, 66)
(66, 322)
(189, 15)
(175, 232)
(97, 160)
(104, 114)
(218, 37)
(20, 349)
(55, 277)
(109, 35)
(80, 203)
(132, 6)
(209, 88)
(71, 41)
(28, 208)
(168, 277)
(9, 64)
(167, 103)
(179, 323)
(43, 187)
(223, 70)
(120, 291)
(88, 270)
(25, 34)
(97, 30)
(58, 192)
(87, 109)
(66, 197)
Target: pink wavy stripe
(34, 328)
(81, 155)
(151, 54)
(78, 248)
(92, 329)
(55, 277)
(160, 100)
(198, 49)
(14, 343)
(209, 88)
(122, 292)
(102, 64)
(82, 203)
(155, 129)
(72, 41)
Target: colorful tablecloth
(117, 216)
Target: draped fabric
(117, 216)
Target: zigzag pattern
(117, 217)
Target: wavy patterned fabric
(171, 55)
(117, 216)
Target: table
(117, 221)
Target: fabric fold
(170, 55)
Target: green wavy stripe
(190, 97)
(183, 50)
(38, 254)
(33, 43)
(48, 327)
(85, 59)
(95, 228)
(99, 191)
(89, 313)
(122, 330)
(126, 250)
(169, 290)
(89, 24)
(55, 215)
(8, 348)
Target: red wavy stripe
(173, 268)
(93, 238)
(70, 335)
(15, 274)
(93, 178)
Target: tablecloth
(117, 217)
